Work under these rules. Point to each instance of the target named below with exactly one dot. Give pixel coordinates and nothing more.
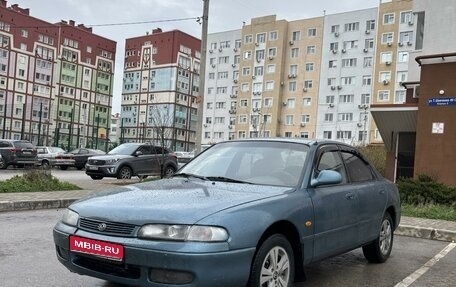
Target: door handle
(350, 196)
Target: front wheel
(379, 250)
(63, 167)
(169, 171)
(124, 173)
(273, 264)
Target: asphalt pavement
(410, 226)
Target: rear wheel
(63, 167)
(124, 173)
(169, 171)
(96, 177)
(45, 164)
(273, 264)
(3, 163)
(379, 250)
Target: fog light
(170, 276)
(63, 253)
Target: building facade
(160, 89)
(55, 81)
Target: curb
(35, 204)
(426, 233)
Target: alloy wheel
(275, 270)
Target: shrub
(426, 190)
(35, 180)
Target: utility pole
(23, 121)
(202, 75)
(39, 124)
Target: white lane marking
(418, 273)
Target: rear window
(23, 145)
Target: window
(241, 134)
(331, 81)
(293, 70)
(333, 64)
(335, 29)
(399, 97)
(268, 102)
(351, 44)
(367, 80)
(271, 69)
(387, 38)
(296, 36)
(406, 17)
(272, 52)
(309, 67)
(352, 27)
(344, 135)
(357, 169)
(248, 39)
(247, 55)
(208, 120)
(369, 43)
(222, 75)
(243, 119)
(331, 160)
(334, 46)
(310, 49)
(294, 52)
(269, 86)
(327, 135)
(308, 84)
(24, 33)
(311, 32)
(347, 81)
(289, 120)
(244, 103)
(329, 117)
(305, 119)
(291, 103)
(367, 62)
(259, 71)
(406, 37)
(259, 55)
(370, 25)
(261, 38)
(346, 99)
(273, 36)
(386, 57)
(291, 86)
(388, 18)
(211, 76)
(330, 99)
(345, 117)
(365, 99)
(348, 63)
(383, 96)
(224, 60)
(306, 101)
(288, 134)
(246, 71)
(245, 87)
(402, 57)
(384, 76)
(401, 76)
(224, 44)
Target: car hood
(177, 201)
(110, 156)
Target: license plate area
(91, 167)
(102, 249)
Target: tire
(379, 250)
(63, 167)
(96, 177)
(3, 163)
(124, 173)
(142, 176)
(273, 264)
(169, 171)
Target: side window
(331, 160)
(357, 169)
(4, 144)
(157, 150)
(145, 149)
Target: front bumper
(143, 260)
(101, 170)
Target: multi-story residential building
(222, 78)
(55, 81)
(160, 89)
(114, 132)
(347, 60)
(395, 40)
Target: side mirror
(138, 153)
(326, 177)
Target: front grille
(111, 227)
(96, 161)
(106, 267)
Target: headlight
(183, 233)
(70, 217)
(112, 161)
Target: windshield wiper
(226, 179)
(187, 175)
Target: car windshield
(257, 162)
(124, 149)
(57, 150)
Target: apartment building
(55, 81)
(419, 134)
(347, 59)
(160, 87)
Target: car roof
(293, 140)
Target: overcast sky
(224, 15)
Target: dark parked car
(54, 156)
(184, 157)
(243, 213)
(132, 159)
(82, 154)
(17, 153)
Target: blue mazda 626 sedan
(242, 213)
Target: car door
(143, 162)
(335, 208)
(159, 154)
(371, 192)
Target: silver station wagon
(242, 213)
